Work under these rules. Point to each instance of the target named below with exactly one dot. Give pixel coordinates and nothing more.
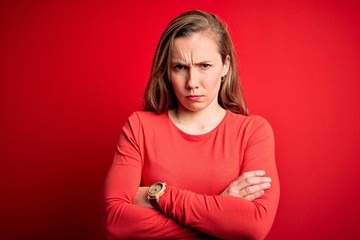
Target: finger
(250, 181)
(242, 193)
(255, 195)
(256, 173)
(257, 180)
(253, 189)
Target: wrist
(140, 198)
(155, 192)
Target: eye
(179, 67)
(205, 65)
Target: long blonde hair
(159, 96)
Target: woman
(193, 164)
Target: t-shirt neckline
(196, 136)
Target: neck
(198, 117)
(197, 122)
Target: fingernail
(266, 185)
(268, 179)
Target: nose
(193, 79)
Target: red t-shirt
(196, 168)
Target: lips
(194, 98)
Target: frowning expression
(195, 71)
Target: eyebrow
(175, 62)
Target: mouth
(194, 98)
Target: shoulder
(249, 124)
(145, 115)
(146, 118)
(140, 122)
(252, 120)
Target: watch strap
(154, 203)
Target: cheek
(215, 87)
(176, 85)
(176, 80)
(213, 80)
(172, 77)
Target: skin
(195, 73)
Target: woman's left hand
(250, 185)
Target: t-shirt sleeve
(226, 216)
(122, 218)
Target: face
(195, 71)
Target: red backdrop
(71, 73)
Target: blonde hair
(159, 96)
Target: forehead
(197, 46)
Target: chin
(193, 108)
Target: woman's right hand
(250, 185)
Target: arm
(228, 216)
(249, 186)
(124, 219)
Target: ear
(226, 66)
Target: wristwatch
(155, 192)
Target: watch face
(154, 189)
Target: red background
(71, 73)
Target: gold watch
(155, 192)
